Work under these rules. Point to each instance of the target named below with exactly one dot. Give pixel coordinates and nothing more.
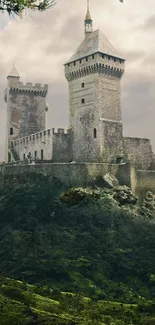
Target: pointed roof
(14, 73)
(88, 16)
(95, 42)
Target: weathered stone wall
(62, 145)
(109, 97)
(79, 174)
(139, 151)
(52, 144)
(84, 118)
(111, 140)
(34, 144)
(144, 180)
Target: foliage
(29, 307)
(82, 241)
(17, 6)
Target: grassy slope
(29, 304)
(84, 243)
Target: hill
(92, 242)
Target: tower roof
(13, 73)
(94, 43)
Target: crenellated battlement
(105, 69)
(60, 131)
(33, 137)
(39, 136)
(29, 87)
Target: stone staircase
(13, 153)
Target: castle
(95, 133)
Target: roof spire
(13, 73)
(88, 23)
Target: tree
(15, 7)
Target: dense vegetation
(97, 244)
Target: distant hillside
(94, 242)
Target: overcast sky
(40, 43)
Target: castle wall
(139, 151)
(70, 174)
(145, 181)
(62, 145)
(52, 144)
(111, 140)
(38, 144)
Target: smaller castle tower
(26, 109)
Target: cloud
(149, 24)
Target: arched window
(95, 133)
(11, 131)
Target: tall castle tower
(94, 73)
(26, 109)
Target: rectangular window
(93, 56)
(82, 100)
(42, 154)
(24, 156)
(80, 60)
(86, 58)
(74, 63)
(82, 85)
(35, 154)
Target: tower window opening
(42, 154)
(87, 58)
(95, 133)
(68, 65)
(11, 131)
(82, 100)
(115, 60)
(74, 63)
(108, 57)
(80, 60)
(82, 85)
(93, 56)
(120, 61)
(102, 56)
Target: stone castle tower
(26, 109)
(94, 73)
(95, 133)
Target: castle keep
(95, 133)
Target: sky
(40, 43)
